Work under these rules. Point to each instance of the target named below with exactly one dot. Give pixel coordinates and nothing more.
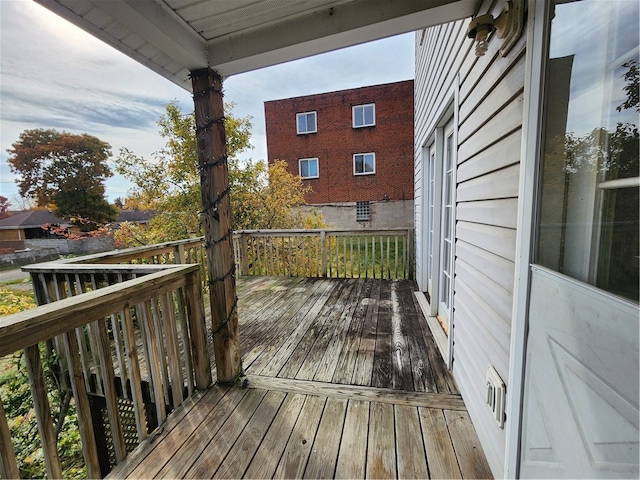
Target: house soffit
(174, 37)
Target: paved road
(11, 275)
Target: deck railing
(53, 281)
(139, 345)
(386, 253)
(126, 330)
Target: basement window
(363, 212)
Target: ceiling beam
(329, 29)
(152, 22)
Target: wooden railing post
(179, 254)
(216, 219)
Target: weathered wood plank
(402, 378)
(295, 456)
(197, 439)
(305, 318)
(385, 395)
(324, 454)
(315, 329)
(267, 457)
(333, 320)
(363, 370)
(329, 362)
(152, 454)
(440, 454)
(381, 447)
(347, 360)
(238, 459)
(467, 446)
(276, 333)
(216, 448)
(382, 375)
(353, 447)
(409, 446)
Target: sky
(55, 75)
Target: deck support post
(216, 219)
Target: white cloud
(54, 75)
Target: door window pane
(588, 216)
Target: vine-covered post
(216, 219)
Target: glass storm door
(581, 388)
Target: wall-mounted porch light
(507, 25)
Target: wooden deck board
(324, 453)
(344, 380)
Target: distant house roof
(30, 219)
(135, 216)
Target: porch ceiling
(174, 37)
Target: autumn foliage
(65, 171)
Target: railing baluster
(164, 369)
(43, 411)
(388, 257)
(198, 330)
(134, 370)
(173, 350)
(8, 464)
(155, 361)
(366, 257)
(83, 411)
(109, 382)
(184, 335)
(396, 254)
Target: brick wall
(336, 141)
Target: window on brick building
(306, 122)
(364, 163)
(364, 115)
(308, 167)
(363, 212)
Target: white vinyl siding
(490, 109)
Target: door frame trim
(537, 43)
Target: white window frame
(300, 160)
(433, 209)
(363, 107)
(363, 163)
(447, 236)
(315, 116)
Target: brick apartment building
(354, 148)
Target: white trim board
(436, 330)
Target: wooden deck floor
(343, 381)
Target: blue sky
(54, 75)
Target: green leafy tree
(66, 171)
(261, 196)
